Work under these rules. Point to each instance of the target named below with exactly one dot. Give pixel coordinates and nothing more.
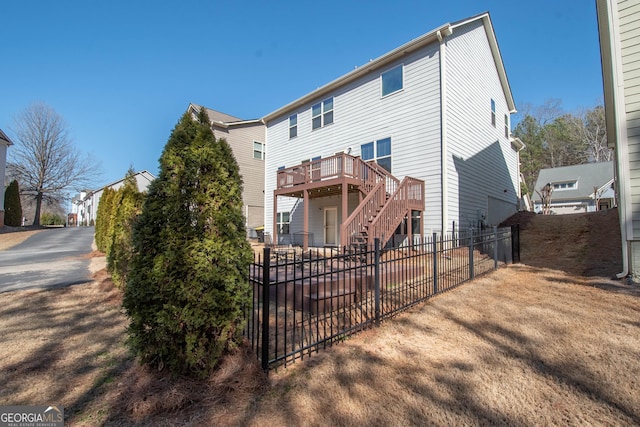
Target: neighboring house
(579, 188)
(619, 29)
(416, 141)
(84, 206)
(5, 142)
(247, 141)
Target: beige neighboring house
(619, 29)
(84, 206)
(5, 142)
(247, 141)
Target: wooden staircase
(383, 209)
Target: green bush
(12, 205)
(48, 218)
(188, 282)
(103, 220)
(127, 205)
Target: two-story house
(416, 141)
(84, 206)
(247, 141)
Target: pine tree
(188, 282)
(12, 205)
(126, 206)
(103, 220)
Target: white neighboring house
(435, 111)
(5, 142)
(578, 188)
(84, 206)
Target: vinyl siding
(3, 158)
(629, 20)
(482, 178)
(240, 138)
(410, 117)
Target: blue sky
(121, 73)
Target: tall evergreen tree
(12, 205)
(126, 206)
(103, 220)
(188, 282)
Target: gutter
(441, 34)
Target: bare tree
(593, 131)
(44, 160)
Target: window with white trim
(392, 80)
(258, 150)
(283, 221)
(380, 151)
(567, 185)
(506, 126)
(493, 113)
(322, 113)
(293, 126)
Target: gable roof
(415, 44)
(587, 176)
(220, 119)
(4, 138)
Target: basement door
(331, 226)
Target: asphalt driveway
(49, 259)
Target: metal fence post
(434, 249)
(495, 247)
(471, 245)
(266, 280)
(376, 278)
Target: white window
(283, 221)
(392, 80)
(506, 126)
(293, 126)
(258, 150)
(568, 185)
(380, 151)
(493, 113)
(322, 113)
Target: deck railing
(408, 196)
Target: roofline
(407, 48)
(5, 138)
(225, 124)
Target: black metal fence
(303, 301)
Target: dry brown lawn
(521, 346)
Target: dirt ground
(525, 345)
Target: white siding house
(436, 109)
(619, 29)
(84, 206)
(5, 142)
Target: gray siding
(482, 179)
(629, 19)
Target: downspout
(441, 34)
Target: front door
(331, 226)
